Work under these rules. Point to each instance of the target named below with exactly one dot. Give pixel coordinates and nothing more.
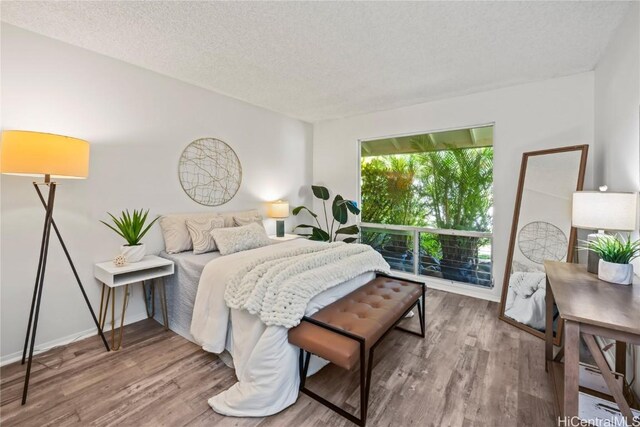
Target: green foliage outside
(447, 189)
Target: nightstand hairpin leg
(125, 301)
(102, 315)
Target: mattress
(181, 289)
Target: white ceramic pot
(621, 274)
(133, 253)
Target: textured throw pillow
(239, 221)
(200, 232)
(235, 239)
(175, 233)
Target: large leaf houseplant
(336, 229)
(132, 228)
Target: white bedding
(181, 289)
(265, 362)
(526, 298)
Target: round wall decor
(210, 171)
(541, 240)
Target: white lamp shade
(279, 209)
(596, 210)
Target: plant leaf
(320, 235)
(352, 229)
(297, 210)
(320, 192)
(353, 207)
(304, 226)
(340, 212)
(350, 239)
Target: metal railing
(454, 255)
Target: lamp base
(280, 228)
(593, 259)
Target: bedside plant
(132, 229)
(340, 208)
(615, 257)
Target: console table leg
(613, 386)
(571, 368)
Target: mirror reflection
(541, 231)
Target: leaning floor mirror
(541, 230)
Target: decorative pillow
(200, 232)
(239, 221)
(175, 233)
(228, 216)
(235, 239)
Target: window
(427, 203)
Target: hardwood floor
(471, 370)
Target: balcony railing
(453, 255)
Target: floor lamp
(52, 156)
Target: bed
(181, 289)
(257, 347)
(265, 362)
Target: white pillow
(235, 239)
(175, 233)
(200, 232)
(239, 221)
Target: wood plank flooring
(471, 370)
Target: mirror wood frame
(584, 150)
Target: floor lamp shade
(35, 154)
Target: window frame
(448, 284)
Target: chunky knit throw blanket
(278, 287)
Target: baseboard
(45, 346)
(449, 286)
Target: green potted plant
(340, 209)
(616, 255)
(131, 227)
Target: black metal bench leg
(367, 386)
(304, 367)
(363, 386)
(301, 368)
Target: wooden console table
(589, 307)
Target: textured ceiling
(322, 60)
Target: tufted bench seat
(346, 330)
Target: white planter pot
(621, 274)
(133, 253)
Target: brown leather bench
(344, 331)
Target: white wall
(551, 113)
(138, 123)
(617, 120)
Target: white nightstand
(285, 237)
(151, 268)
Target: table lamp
(50, 156)
(279, 210)
(599, 210)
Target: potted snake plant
(131, 227)
(616, 255)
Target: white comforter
(265, 362)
